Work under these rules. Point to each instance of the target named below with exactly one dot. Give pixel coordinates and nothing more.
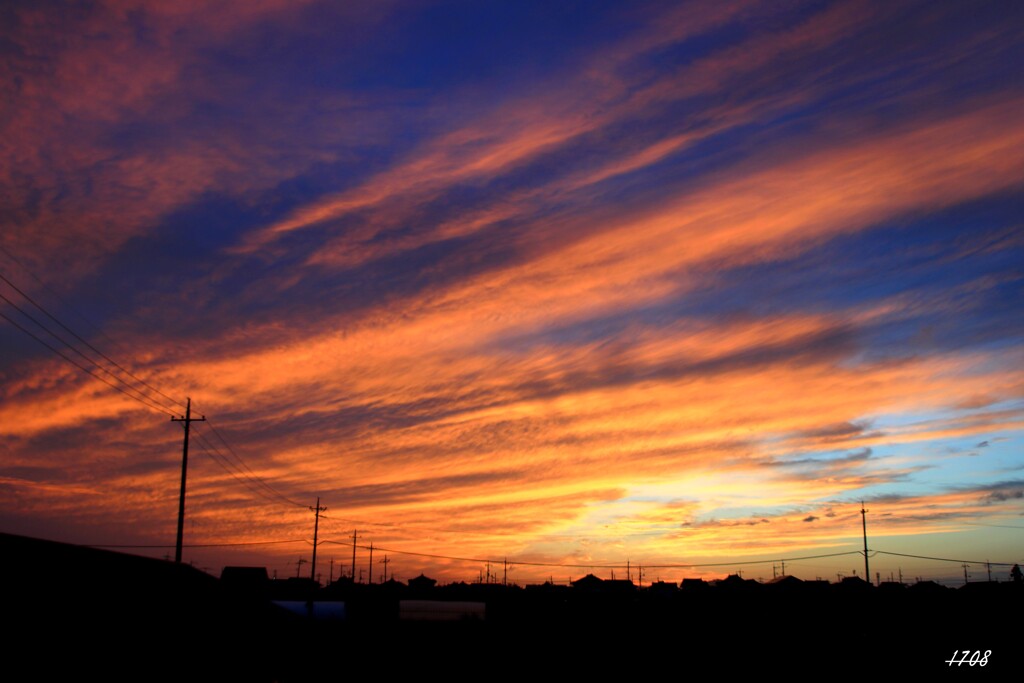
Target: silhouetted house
(927, 588)
(588, 584)
(694, 585)
(891, 587)
(817, 586)
(454, 591)
(546, 590)
(422, 583)
(980, 588)
(662, 588)
(785, 584)
(735, 583)
(593, 584)
(852, 584)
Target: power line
(141, 398)
(74, 348)
(131, 391)
(591, 566)
(249, 478)
(201, 545)
(138, 395)
(221, 460)
(996, 526)
(945, 559)
(248, 470)
(84, 341)
(746, 562)
(143, 401)
(61, 299)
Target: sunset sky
(575, 284)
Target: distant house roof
(588, 582)
(596, 584)
(785, 580)
(660, 586)
(422, 581)
(735, 581)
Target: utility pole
(316, 529)
(504, 579)
(331, 580)
(783, 568)
(988, 565)
(298, 566)
(965, 573)
(355, 535)
(188, 420)
(370, 577)
(385, 563)
(864, 523)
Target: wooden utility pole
(355, 535)
(188, 419)
(864, 523)
(385, 563)
(316, 529)
(369, 578)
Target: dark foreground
(78, 612)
